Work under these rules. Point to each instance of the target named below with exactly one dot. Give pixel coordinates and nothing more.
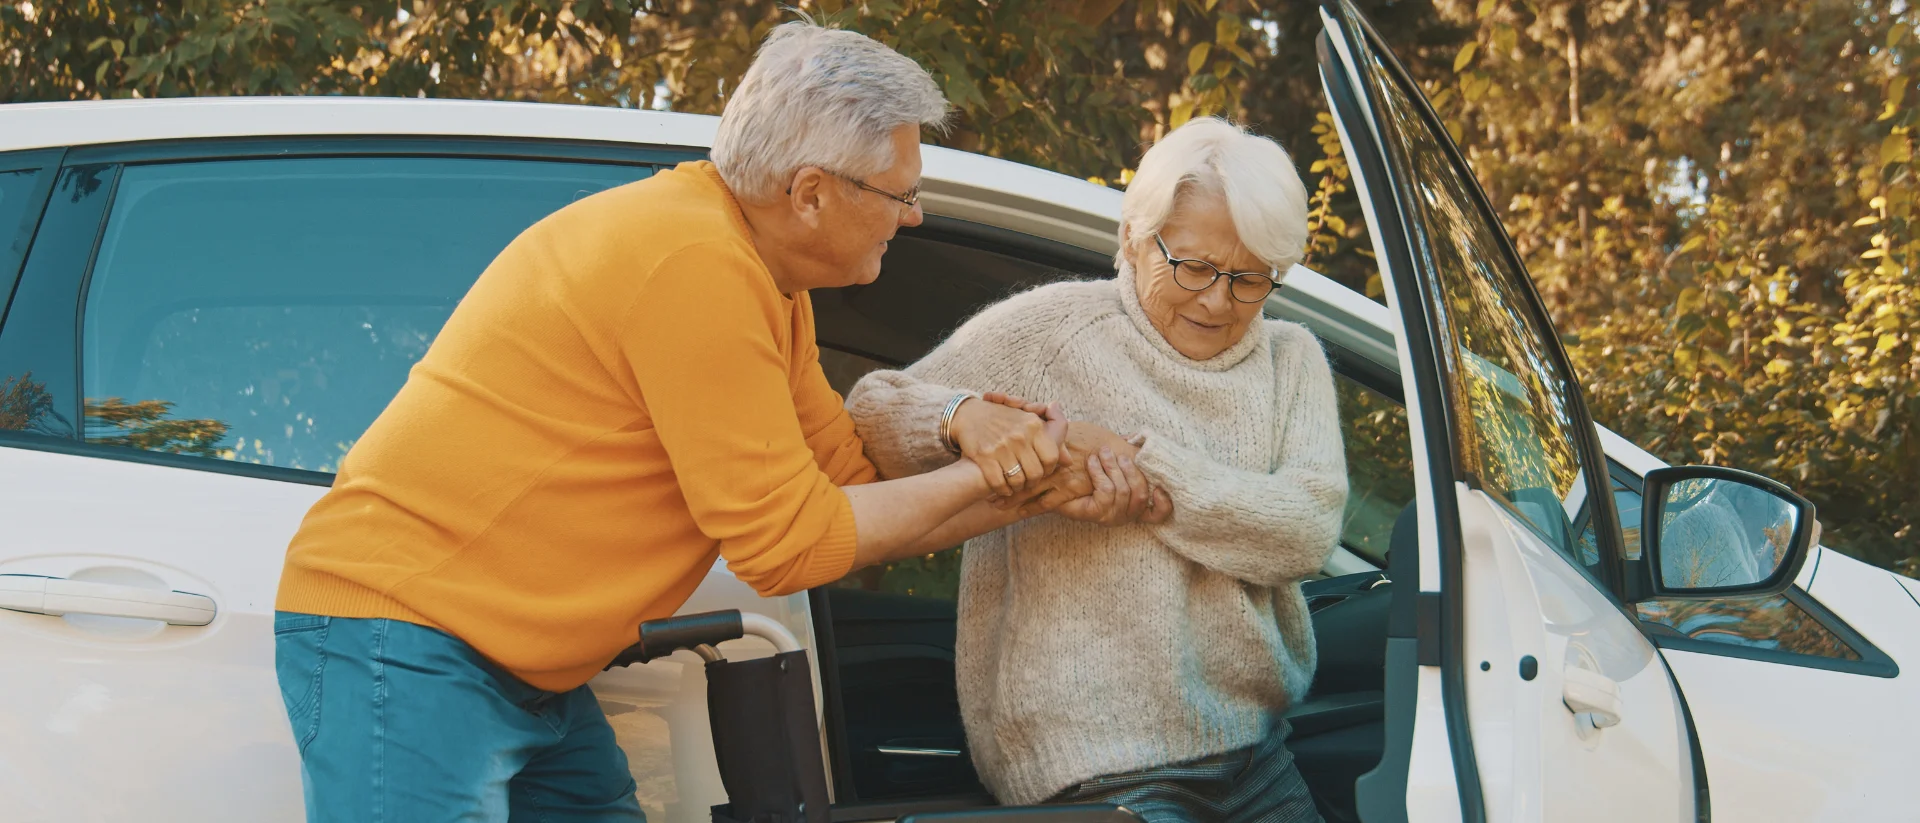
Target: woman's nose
(1218, 298)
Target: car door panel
(1794, 742)
(1550, 758)
(136, 719)
(1515, 610)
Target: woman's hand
(1120, 494)
(1075, 478)
(1014, 446)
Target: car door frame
(1435, 624)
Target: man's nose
(913, 216)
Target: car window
(1379, 467)
(16, 198)
(1771, 621)
(1513, 418)
(265, 311)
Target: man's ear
(805, 193)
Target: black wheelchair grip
(659, 638)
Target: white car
(204, 302)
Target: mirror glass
(1716, 533)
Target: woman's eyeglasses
(1200, 275)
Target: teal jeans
(398, 722)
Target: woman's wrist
(947, 414)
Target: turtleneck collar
(1252, 340)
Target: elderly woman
(1116, 651)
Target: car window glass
(16, 194)
(1514, 426)
(265, 311)
(16, 189)
(1379, 467)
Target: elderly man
(630, 391)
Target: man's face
(859, 222)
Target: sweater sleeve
(701, 339)
(1004, 348)
(1265, 528)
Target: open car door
(1519, 688)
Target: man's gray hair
(822, 97)
(1207, 155)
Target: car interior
(885, 636)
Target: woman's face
(1198, 324)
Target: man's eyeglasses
(1200, 275)
(910, 199)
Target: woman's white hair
(1208, 155)
(822, 97)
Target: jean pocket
(299, 658)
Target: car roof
(1060, 207)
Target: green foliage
(1716, 199)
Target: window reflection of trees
(1379, 467)
(27, 406)
(1764, 622)
(1515, 441)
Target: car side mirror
(1714, 531)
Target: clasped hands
(1036, 461)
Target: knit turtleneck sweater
(1083, 650)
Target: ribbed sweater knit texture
(622, 398)
(1084, 650)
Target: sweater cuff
(898, 421)
(832, 557)
(1165, 462)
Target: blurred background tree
(1715, 198)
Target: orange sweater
(622, 398)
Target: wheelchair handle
(659, 638)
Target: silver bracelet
(946, 421)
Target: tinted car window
(265, 311)
(16, 203)
(1379, 467)
(1513, 403)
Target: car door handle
(1593, 694)
(57, 596)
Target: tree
(1715, 199)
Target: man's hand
(1014, 446)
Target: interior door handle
(58, 596)
(917, 751)
(1593, 694)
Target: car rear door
(1536, 697)
(200, 332)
